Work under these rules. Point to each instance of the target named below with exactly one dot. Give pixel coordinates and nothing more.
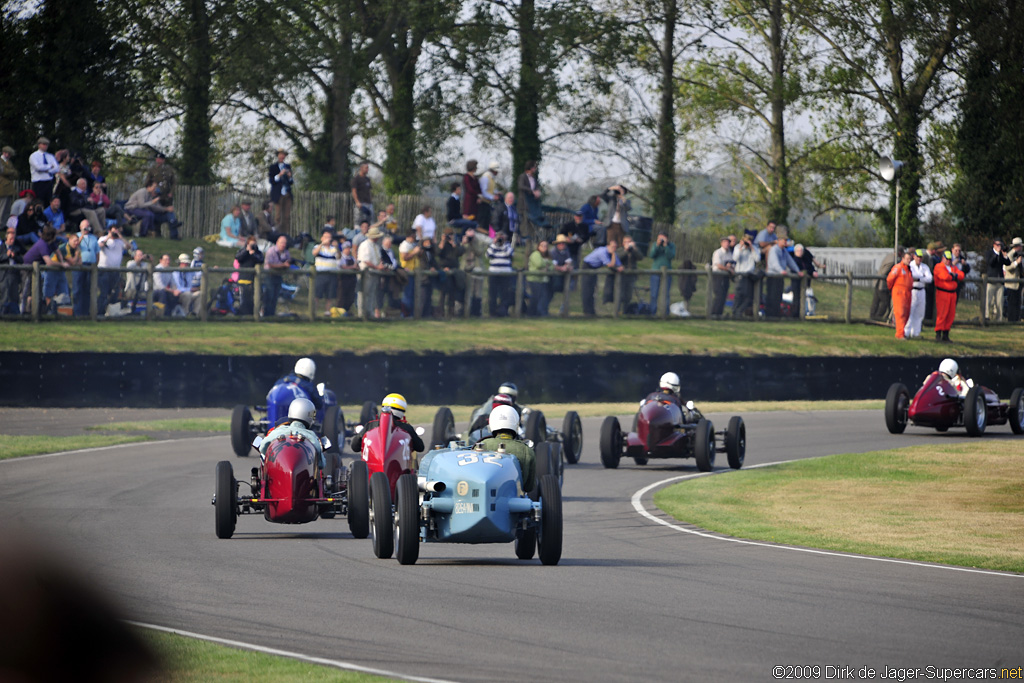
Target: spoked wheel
(536, 428)
(358, 500)
(704, 445)
(444, 427)
(897, 401)
(975, 412)
(226, 502)
(368, 413)
(407, 525)
(736, 442)
(382, 522)
(334, 425)
(549, 540)
(572, 437)
(1017, 411)
(241, 431)
(611, 442)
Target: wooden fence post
(150, 313)
(520, 291)
(204, 289)
(984, 299)
(311, 307)
(94, 291)
(663, 294)
(616, 293)
(36, 290)
(566, 287)
(849, 298)
(257, 292)
(707, 293)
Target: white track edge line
(337, 664)
(105, 448)
(639, 507)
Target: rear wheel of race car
(975, 412)
(572, 437)
(358, 500)
(241, 431)
(897, 401)
(382, 518)
(611, 442)
(334, 424)
(1017, 411)
(736, 442)
(226, 505)
(536, 428)
(368, 413)
(704, 445)
(549, 461)
(549, 540)
(444, 427)
(526, 544)
(407, 520)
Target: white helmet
(303, 410)
(305, 367)
(509, 389)
(670, 380)
(949, 368)
(503, 417)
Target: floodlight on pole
(890, 168)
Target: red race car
(290, 488)
(938, 405)
(387, 455)
(661, 429)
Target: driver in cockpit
(951, 371)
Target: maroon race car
(938, 405)
(661, 429)
(289, 488)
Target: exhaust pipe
(431, 486)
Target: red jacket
(947, 277)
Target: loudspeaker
(889, 167)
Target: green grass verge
(187, 660)
(961, 504)
(551, 335)
(17, 446)
(194, 424)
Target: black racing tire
(383, 522)
(572, 437)
(897, 401)
(943, 428)
(358, 494)
(611, 442)
(226, 506)
(241, 431)
(975, 412)
(444, 427)
(736, 442)
(526, 544)
(536, 428)
(549, 539)
(407, 522)
(334, 425)
(368, 413)
(1016, 411)
(704, 445)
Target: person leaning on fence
(136, 283)
(369, 259)
(475, 249)
(746, 256)
(780, 262)
(722, 268)
(501, 289)
(661, 252)
(563, 264)
(186, 287)
(112, 249)
(1011, 272)
(922, 275)
(538, 284)
(995, 261)
(327, 262)
(947, 277)
(599, 259)
(452, 278)
(249, 256)
(900, 282)
(631, 256)
(277, 261)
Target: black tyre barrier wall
(154, 380)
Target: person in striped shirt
(502, 288)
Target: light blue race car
(464, 494)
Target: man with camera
(746, 256)
(723, 266)
(996, 261)
(1014, 271)
(281, 181)
(111, 252)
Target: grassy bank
(551, 335)
(20, 446)
(960, 504)
(187, 660)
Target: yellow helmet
(395, 403)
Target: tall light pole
(890, 168)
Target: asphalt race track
(631, 599)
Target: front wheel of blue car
(407, 525)
(526, 544)
(549, 540)
(382, 523)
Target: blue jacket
(90, 247)
(589, 216)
